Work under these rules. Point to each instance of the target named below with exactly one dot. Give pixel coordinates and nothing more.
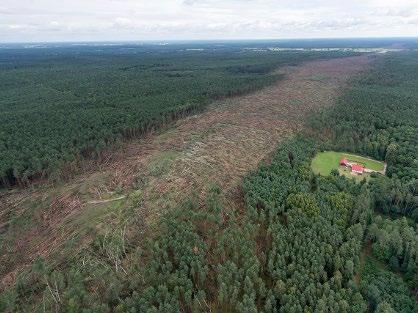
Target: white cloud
(51, 20)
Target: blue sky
(97, 20)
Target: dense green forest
(378, 117)
(301, 243)
(61, 104)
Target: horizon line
(208, 40)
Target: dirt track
(218, 146)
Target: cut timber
(106, 201)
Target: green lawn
(325, 162)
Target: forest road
(218, 146)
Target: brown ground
(218, 146)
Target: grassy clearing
(369, 163)
(325, 162)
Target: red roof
(357, 168)
(343, 162)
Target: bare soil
(218, 146)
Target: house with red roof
(357, 168)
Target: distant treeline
(58, 105)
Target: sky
(138, 20)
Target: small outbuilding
(344, 162)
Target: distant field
(327, 161)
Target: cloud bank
(65, 20)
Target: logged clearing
(146, 177)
